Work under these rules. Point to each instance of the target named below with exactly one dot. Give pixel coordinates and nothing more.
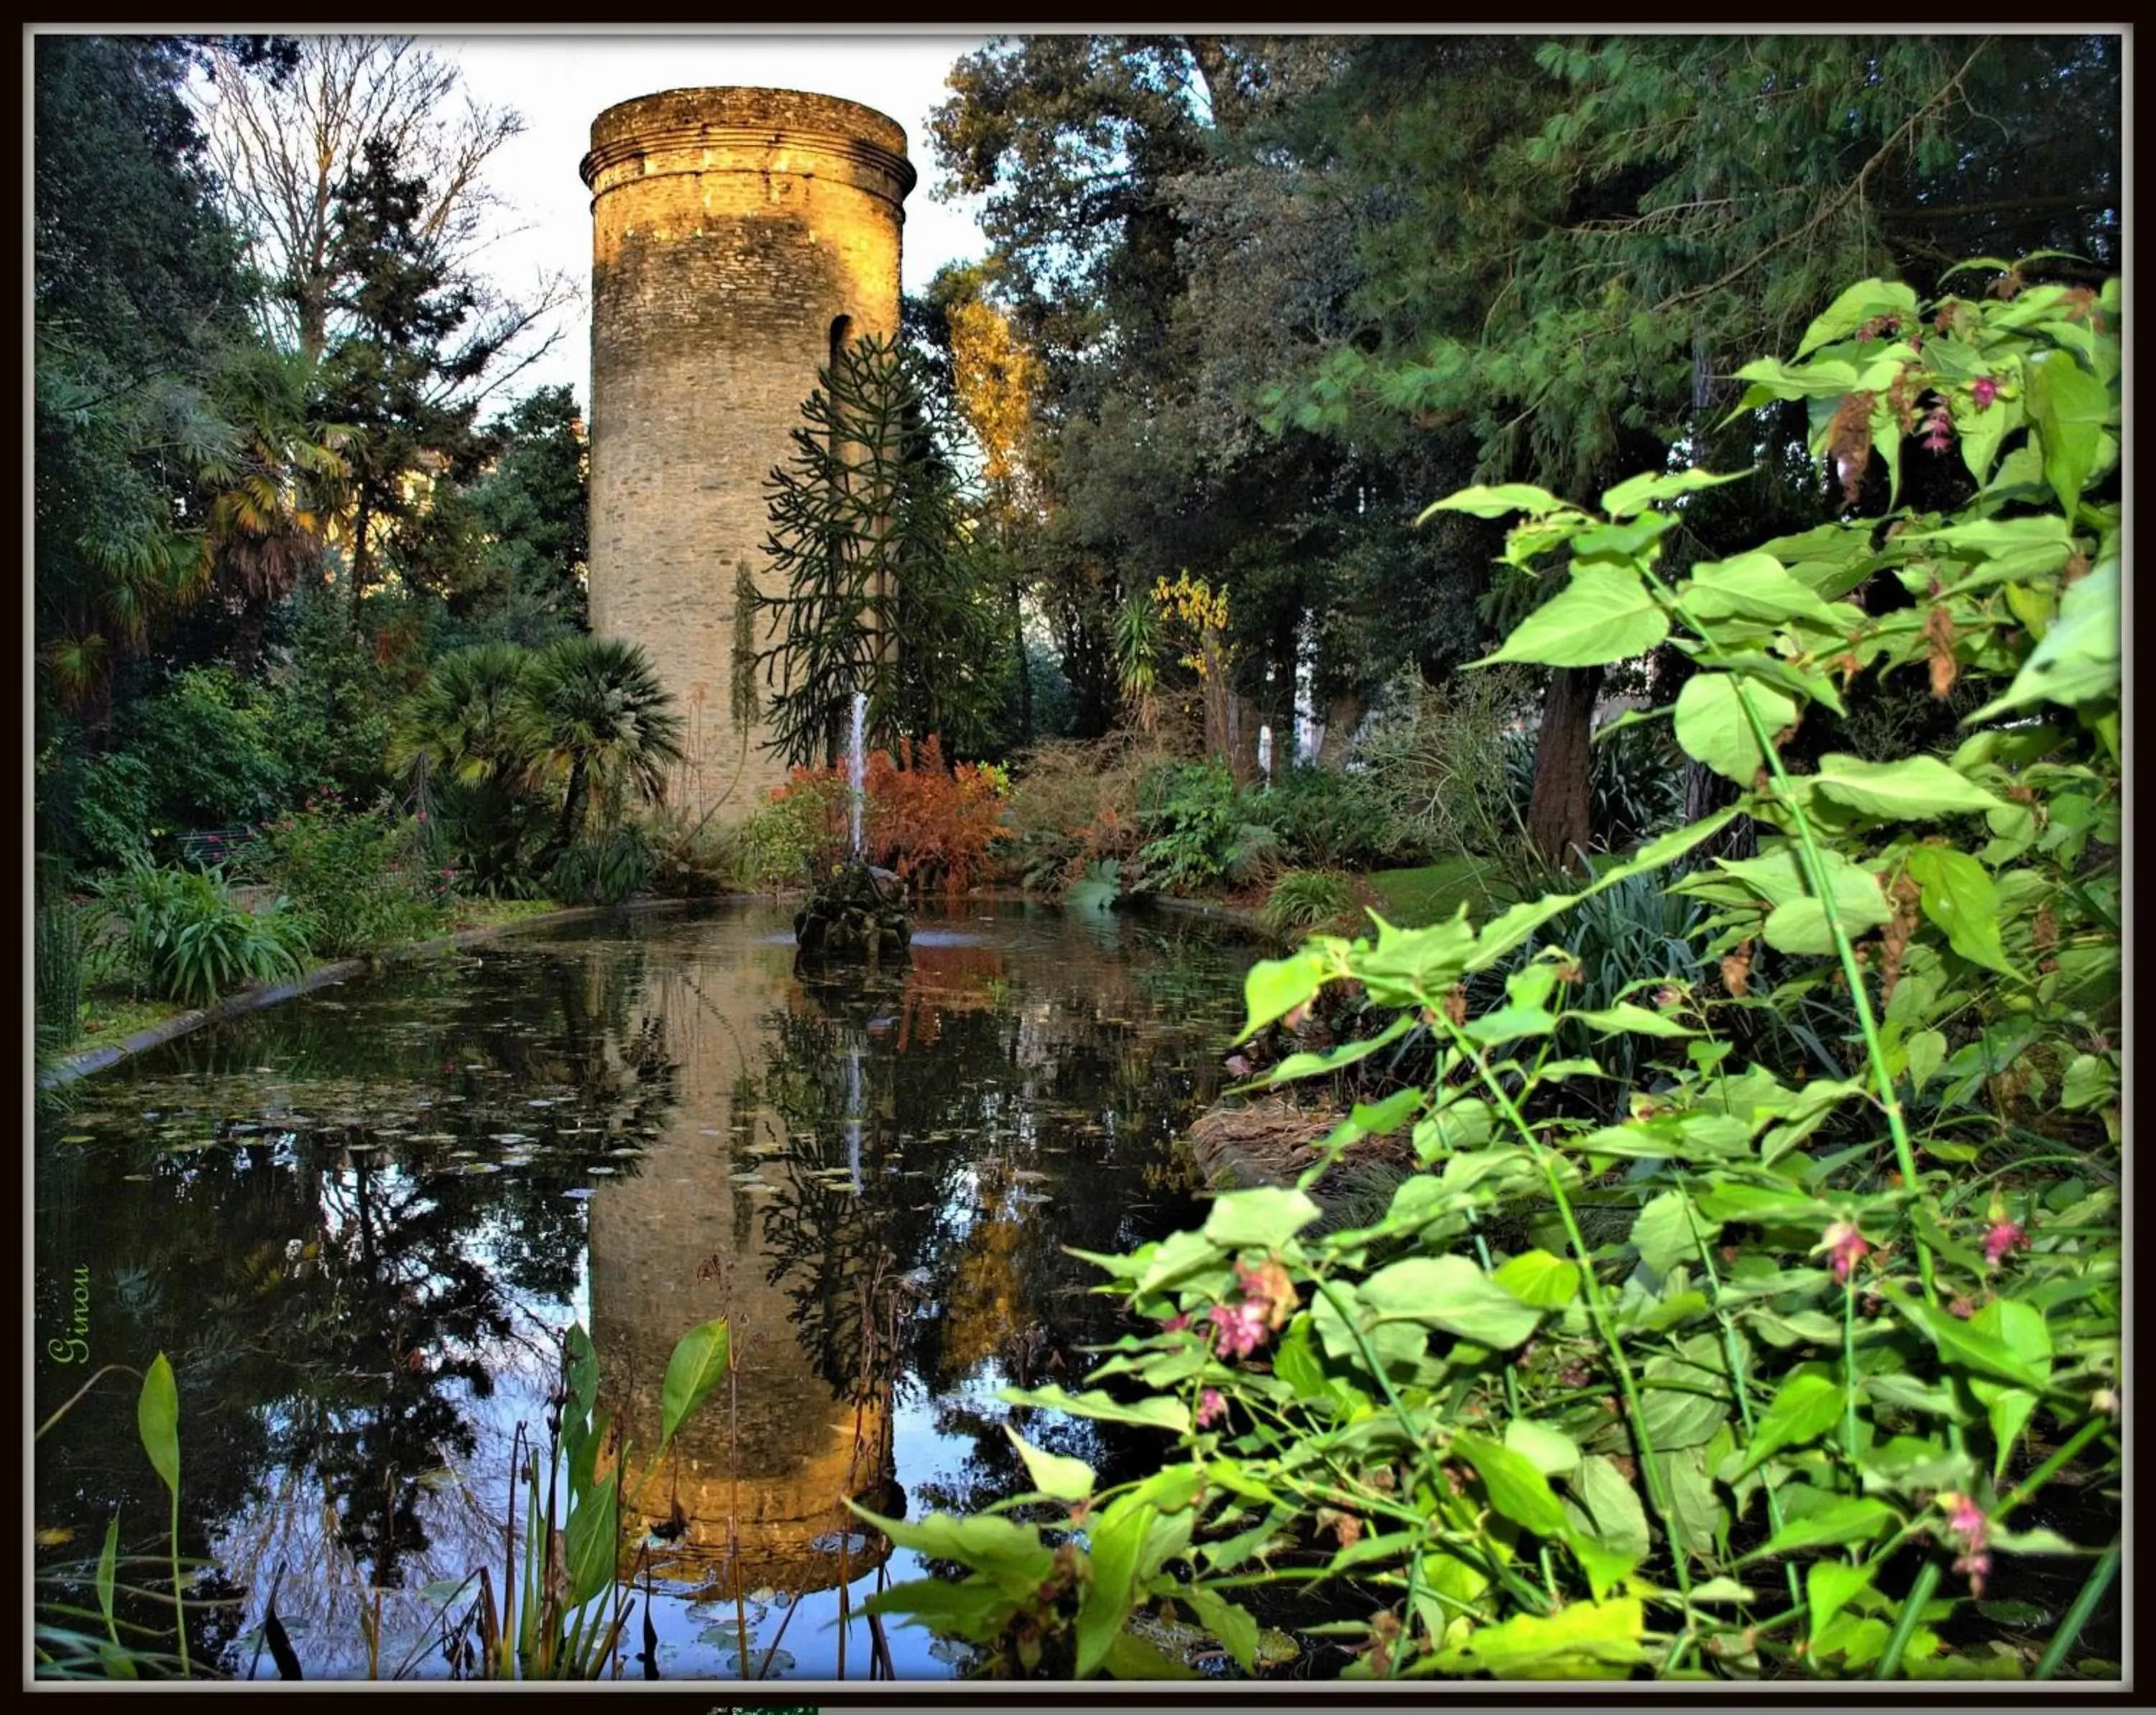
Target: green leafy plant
(1329, 818)
(186, 939)
(563, 1614)
(62, 1648)
(1303, 899)
(1763, 1378)
(353, 878)
(1197, 830)
(604, 868)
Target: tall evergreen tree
(869, 533)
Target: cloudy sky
(559, 83)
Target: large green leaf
(1010, 1556)
(1233, 1625)
(1159, 1412)
(2078, 659)
(157, 1421)
(1263, 1218)
(1843, 1519)
(1915, 788)
(1581, 1641)
(1414, 966)
(1112, 1549)
(1620, 1522)
(1970, 1350)
(698, 1360)
(1637, 493)
(1498, 500)
(1711, 725)
(1805, 1407)
(2071, 408)
(1663, 1233)
(1059, 1478)
(1273, 988)
(1537, 1278)
(588, 1541)
(1867, 300)
(1754, 586)
(1452, 1293)
(1959, 896)
(1516, 1489)
(1606, 613)
(1828, 1586)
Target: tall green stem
(1597, 1306)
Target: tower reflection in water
(764, 1200)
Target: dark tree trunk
(1557, 819)
(1242, 739)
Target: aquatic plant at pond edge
(562, 1612)
(1853, 1334)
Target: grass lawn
(1413, 898)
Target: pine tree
(869, 533)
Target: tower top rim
(802, 117)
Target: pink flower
(1177, 1323)
(1965, 1518)
(2004, 1235)
(1938, 430)
(1242, 1328)
(1268, 1289)
(1965, 1521)
(1986, 390)
(1211, 1407)
(1844, 1247)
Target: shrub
(1074, 803)
(935, 826)
(1442, 761)
(1198, 830)
(187, 941)
(1305, 899)
(1591, 1400)
(1329, 818)
(353, 879)
(694, 857)
(603, 868)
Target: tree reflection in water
(356, 1224)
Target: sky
(560, 83)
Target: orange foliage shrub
(933, 825)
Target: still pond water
(359, 1223)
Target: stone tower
(739, 238)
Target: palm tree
(469, 727)
(594, 708)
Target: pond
(358, 1224)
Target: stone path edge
(343, 970)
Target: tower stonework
(739, 236)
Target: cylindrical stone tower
(739, 238)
